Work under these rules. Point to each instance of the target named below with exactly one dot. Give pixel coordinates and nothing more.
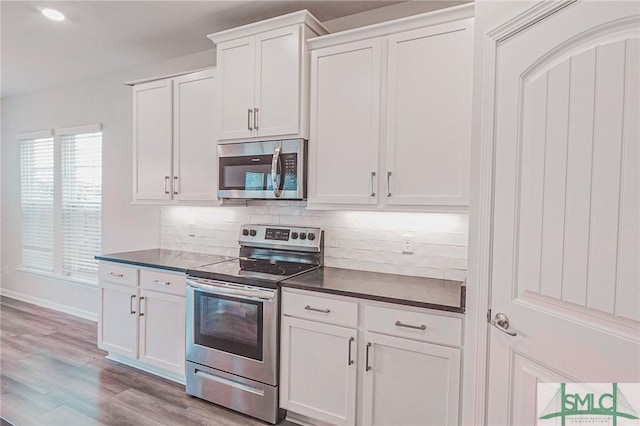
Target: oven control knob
(294, 235)
(245, 232)
(311, 236)
(252, 232)
(303, 236)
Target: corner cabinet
(174, 139)
(348, 361)
(141, 321)
(263, 77)
(391, 109)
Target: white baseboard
(92, 316)
(181, 379)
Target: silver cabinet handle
(388, 185)
(324, 311)
(175, 185)
(501, 322)
(274, 171)
(350, 361)
(373, 193)
(166, 180)
(115, 275)
(255, 118)
(249, 112)
(131, 311)
(160, 282)
(416, 327)
(367, 367)
(140, 314)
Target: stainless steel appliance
(233, 317)
(263, 170)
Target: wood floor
(52, 373)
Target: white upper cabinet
(174, 139)
(391, 114)
(264, 82)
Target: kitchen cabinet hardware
(373, 192)
(324, 311)
(388, 185)
(116, 275)
(140, 313)
(161, 282)
(416, 327)
(175, 185)
(131, 311)
(501, 322)
(249, 117)
(351, 339)
(255, 118)
(367, 367)
(166, 180)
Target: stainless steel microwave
(263, 170)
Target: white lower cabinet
(390, 365)
(141, 320)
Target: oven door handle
(240, 293)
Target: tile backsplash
(368, 241)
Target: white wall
(126, 226)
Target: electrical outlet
(407, 244)
(192, 229)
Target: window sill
(66, 279)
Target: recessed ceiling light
(53, 14)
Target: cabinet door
(236, 64)
(318, 370)
(345, 123)
(429, 115)
(195, 138)
(152, 152)
(410, 383)
(162, 330)
(277, 96)
(118, 324)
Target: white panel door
(277, 97)
(162, 330)
(318, 370)
(118, 324)
(429, 115)
(565, 234)
(410, 383)
(345, 123)
(152, 137)
(236, 64)
(195, 137)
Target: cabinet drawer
(414, 325)
(320, 309)
(163, 282)
(118, 274)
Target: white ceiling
(101, 37)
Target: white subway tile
(455, 274)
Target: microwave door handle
(277, 190)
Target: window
(61, 179)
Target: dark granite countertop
(431, 293)
(173, 260)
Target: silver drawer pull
(161, 282)
(115, 275)
(416, 327)
(324, 311)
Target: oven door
(262, 170)
(233, 328)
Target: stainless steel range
(233, 316)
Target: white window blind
(37, 198)
(81, 202)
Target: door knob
(501, 322)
